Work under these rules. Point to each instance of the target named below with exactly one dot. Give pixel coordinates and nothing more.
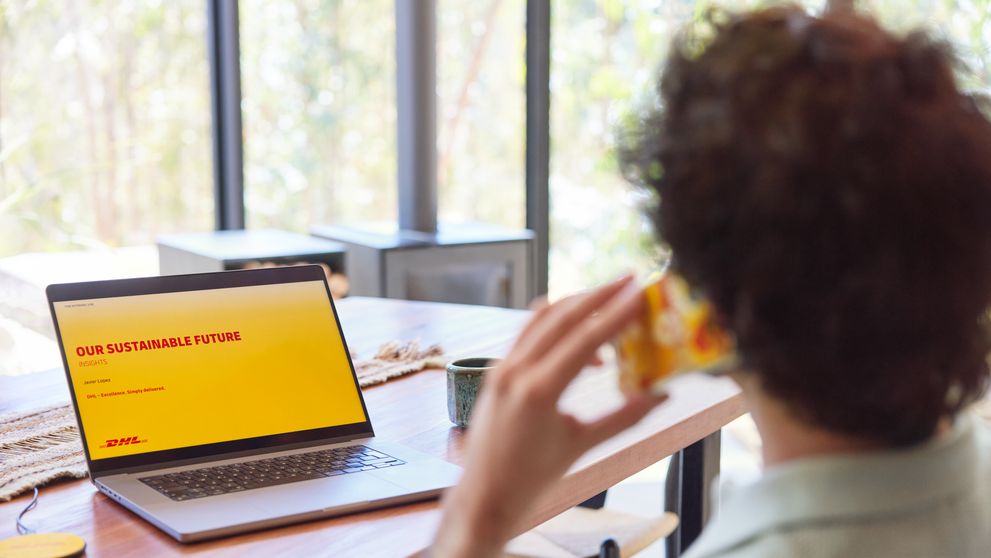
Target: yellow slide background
(289, 372)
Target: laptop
(218, 403)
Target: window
(318, 105)
(481, 106)
(603, 56)
(104, 123)
(105, 116)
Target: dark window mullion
(416, 111)
(225, 94)
(538, 94)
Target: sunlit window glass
(319, 112)
(481, 128)
(104, 123)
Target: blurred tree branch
(474, 67)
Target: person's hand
(519, 442)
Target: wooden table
(410, 410)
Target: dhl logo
(114, 442)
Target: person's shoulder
(867, 539)
(953, 517)
(807, 543)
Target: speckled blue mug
(464, 379)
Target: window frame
(223, 45)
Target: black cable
(21, 528)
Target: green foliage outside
(105, 116)
(318, 107)
(606, 57)
(104, 123)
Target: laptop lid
(182, 367)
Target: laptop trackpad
(320, 494)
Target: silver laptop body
(266, 480)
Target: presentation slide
(165, 371)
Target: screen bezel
(198, 282)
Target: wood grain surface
(410, 410)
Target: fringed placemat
(42, 445)
(396, 359)
(38, 447)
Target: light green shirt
(932, 500)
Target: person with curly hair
(827, 186)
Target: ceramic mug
(464, 380)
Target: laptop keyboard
(224, 479)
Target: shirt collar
(829, 489)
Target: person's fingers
(565, 359)
(619, 420)
(563, 316)
(596, 359)
(539, 302)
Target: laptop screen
(169, 370)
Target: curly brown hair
(828, 187)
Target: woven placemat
(42, 445)
(395, 359)
(38, 447)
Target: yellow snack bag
(676, 333)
